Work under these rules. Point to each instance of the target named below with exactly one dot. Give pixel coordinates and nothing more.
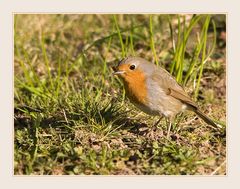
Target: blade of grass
(152, 40)
(204, 38)
(34, 152)
(34, 90)
(58, 79)
(105, 59)
(103, 39)
(171, 33)
(214, 41)
(193, 62)
(46, 61)
(119, 36)
(35, 80)
(131, 38)
(180, 61)
(180, 49)
(177, 50)
(196, 53)
(26, 73)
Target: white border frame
(229, 7)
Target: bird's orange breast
(135, 86)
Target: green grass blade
(152, 40)
(46, 61)
(204, 38)
(119, 36)
(131, 38)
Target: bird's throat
(136, 89)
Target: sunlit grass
(71, 115)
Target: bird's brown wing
(171, 87)
(182, 96)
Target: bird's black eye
(132, 67)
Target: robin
(154, 90)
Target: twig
(216, 170)
(65, 117)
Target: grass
(71, 115)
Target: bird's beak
(118, 72)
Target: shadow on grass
(110, 114)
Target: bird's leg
(169, 128)
(153, 127)
(156, 124)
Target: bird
(155, 91)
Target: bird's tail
(205, 118)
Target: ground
(71, 115)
